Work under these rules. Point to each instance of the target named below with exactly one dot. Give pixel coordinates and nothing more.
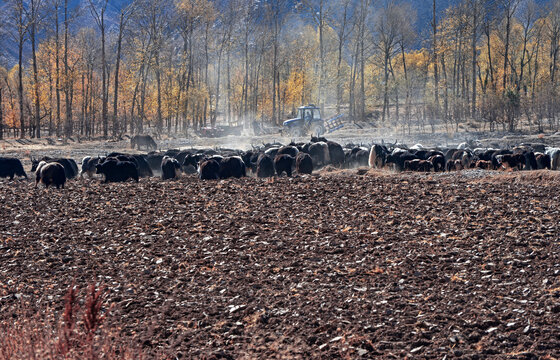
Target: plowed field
(325, 266)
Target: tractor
(308, 120)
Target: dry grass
(78, 334)
(536, 177)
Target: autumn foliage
(185, 64)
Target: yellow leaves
(295, 87)
(456, 278)
(346, 271)
(192, 9)
(417, 59)
(375, 271)
(253, 319)
(8, 239)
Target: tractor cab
(308, 119)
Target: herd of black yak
(278, 159)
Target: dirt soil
(324, 266)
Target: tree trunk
(473, 46)
(506, 52)
(140, 127)
(245, 92)
(21, 33)
(489, 51)
(57, 70)
(159, 124)
(353, 75)
(341, 37)
(553, 58)
(89, 110)
(522, 64)
(407, 85)
(84, 105)
(274, 84)
(435, 61)
(1, 116)
(216, 105)
(228, 73)
(37, 114)
(362, 65)
(385, 84)
(51, 97)
(67, 88)
(322, 59)
(134, 96)
(117, 66)
(104, 86)
(446, 93)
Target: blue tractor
(308, 121)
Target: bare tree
(435, 58)
(1, 116)
(357, 100)
(125, 14)
(68, 83)
(320, 13)
(554, 38)
(405, 39)
(487, 26)
(476, 8)
(20, 37)
(341, 24)
(33, 15)
(248, 12)
(388, 27)
(227, 23)
(529, 15)
(55, 6)
(99, 17)
(508, 7)
(276, 19)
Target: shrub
(78, 334)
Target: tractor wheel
(318, 130)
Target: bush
(79, 334)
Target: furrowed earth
(380, 265)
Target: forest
(92, 68)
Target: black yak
(69, 165)
(170, 168)
(283, 163)
(146, 141)
(377, 156)
(88, 165)
(209, 169)
(304, 163)
(265, 166)
(50, 174)
(10, 167)
(232, 166)
(117, 171)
